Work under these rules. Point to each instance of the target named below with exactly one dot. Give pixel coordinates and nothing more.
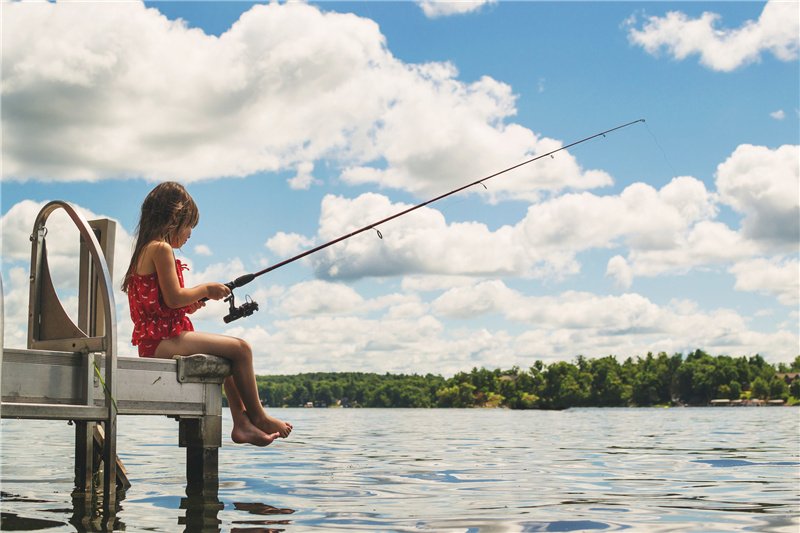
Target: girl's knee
(243, 349)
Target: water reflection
(201, 514)
(667, 470)
(89, 515)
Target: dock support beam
(202, 438)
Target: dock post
(202, 435)
(202, 438)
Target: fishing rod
(249, 307)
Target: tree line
(659, 379)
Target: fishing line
(764, 307)
(674, 172)
(249, 307)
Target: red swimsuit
(153, 321)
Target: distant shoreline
(697, 380)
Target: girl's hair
(166, 211)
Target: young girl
(159, 304)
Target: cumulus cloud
(760, 183)
(137, 94)
(764, 185)
(304, 178)
(557, 328)
(444, 8)
(202, 249)
(328, 325)
(777, 277)
(777, 31)
(286, 244)
(778, 115)
(619, 269)
(668, 230)
(422, 242)
(575, 316)
(318, 298)
(641, 215)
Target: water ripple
(446, 470)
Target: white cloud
(444, 8)
(286, 86)
(593, 321)
(619, 269)
(419, 243)
(780, 278)
(483, 299)
(558, 328)
(705, 244)
(320, 325)
(671, 230)
(778, 115)
(760, 183)
(304, 178)
(202, 249)
(764, 185)
(644, 216)
(777, 30)
(318, 298)
(286, 244)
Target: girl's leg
(244, 432)
(244, 380)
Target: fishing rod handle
(238, 282)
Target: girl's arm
(174, 295)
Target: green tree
(759, 388)
(724, 391)
(735, 390)
(696, 379)
(794, 389)
(323, 394)
(608, 388)
(447, 396)
(564, 386)
(778, 389)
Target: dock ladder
(72, 372)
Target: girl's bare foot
(247, 433)
(270, 424)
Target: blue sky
(292, 124)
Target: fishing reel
(235, 313)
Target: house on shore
(789, 377)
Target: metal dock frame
(72, 372)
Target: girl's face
(181, 237)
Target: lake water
(476, 470)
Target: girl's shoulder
(150, 253)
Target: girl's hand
(195, 306)
(217, 291)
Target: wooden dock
(72, 372)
